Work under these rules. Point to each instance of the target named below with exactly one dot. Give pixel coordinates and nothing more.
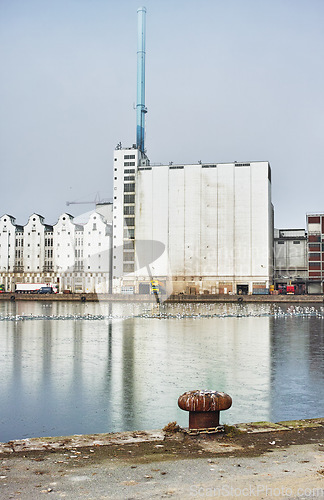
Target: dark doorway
(242, 289)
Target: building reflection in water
(297, 368)
(62, 377)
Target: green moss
(231, 431)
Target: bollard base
(203, 419)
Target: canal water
(78, 368)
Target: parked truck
(35, 288)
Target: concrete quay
(262, 460)
(173, 299)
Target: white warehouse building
(73, 256)
(203, 228)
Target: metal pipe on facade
(140, 104)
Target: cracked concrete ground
(262, 460)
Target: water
(75, 368)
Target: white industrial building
(290, 258)
(74, 256)
(203, 228)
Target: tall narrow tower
(140, 104)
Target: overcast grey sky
(232, 80)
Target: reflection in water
(124, 373)
(297, 368)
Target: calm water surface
(97, 367)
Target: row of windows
(280, 242)
(129, 164)
(129, 157)
(314, 265)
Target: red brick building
(315, 229)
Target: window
(129, 188)
(129, 171)
(312, 238)
(129, 256)
(296, 242)
(281, 242)
(129, 210)
(129, 178)
(129, 198)
(315, 256)
(129, 233)
(128, 245)
(314, 247)
(313, 220)
(129, 164)
(128, 268)
(129, 221)
(314, 265)
(129, 157)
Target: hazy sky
(230, 80)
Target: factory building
(290, 259)
(204, 228)
(315, 229)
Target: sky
(226, 81)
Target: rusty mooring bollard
(204, 407)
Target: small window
(129, 198)
(281, 242)
(129, 188)
(129, 221)
(129, 210)
(296, 242)
(128, 268)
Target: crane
(96, 200)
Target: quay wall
(173, 299)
